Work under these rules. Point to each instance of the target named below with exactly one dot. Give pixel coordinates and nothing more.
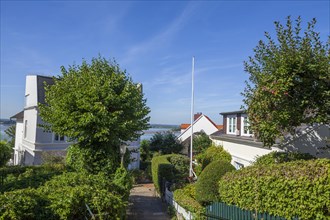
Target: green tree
(5, 153)
(11, 131)
(145, 150)
(289, 81)
(98, 106)
(201, 142)
(165, 143)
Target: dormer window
(231, 124)
(246, 126)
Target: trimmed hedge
(161, 168)
(186, 197)
(207, 183)
(294, 189)
(211, 154)
(282, 157)
(173, 168)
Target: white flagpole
(192, 117)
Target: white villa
(31, 140)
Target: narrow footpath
(145, 205)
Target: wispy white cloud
(164, 37)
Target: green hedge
(65, 196)
(24, 204)
(207, 183)
(173, 168)
(294, 189)
(161, 169)
(282, 157)
(211, 154)
(20, 177)
(186, 197)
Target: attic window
(231, 124)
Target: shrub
(298, 188)
(161, 170)
(181, 170)
(165, 143)
(18, 177)
(172, 168)
(201, 142)
(211, 154)
(5, 152)
(207, 183)
(24, 204)
(281, 157)
(186, 197)
(68, 194)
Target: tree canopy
(97, 105)
(289, 81)
(165, 143)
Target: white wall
(243, 154)
(314, 140)
(30, 116)
(31, 94)
(18, 141)
(202, 123)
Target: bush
(24, 204)
(165, 143)
(281, 157)
(201, 142)
(172, 168)
(298, 188)
(161, 170)
(18, 177)
(180, 172)
(186, 197)
(211, 154)
(207, 183)
(68, 194)
(5, 152)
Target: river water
(146, 136)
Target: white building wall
(31, 93)
(18, 141)
(201, 124)
(30, 125)
(314, 140)
(243, 154)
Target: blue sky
(153, 41)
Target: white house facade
(31, 140)
(238, 140)
(201, 123)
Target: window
(246, 126)
(238, 165)
(58, 137)
(26, 100)
(231, 125)
(25, 128)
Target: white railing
(169, 199)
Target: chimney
(197, 115)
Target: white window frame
(231, 124)
(25, 128)
(244, 117)
(58, 138)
